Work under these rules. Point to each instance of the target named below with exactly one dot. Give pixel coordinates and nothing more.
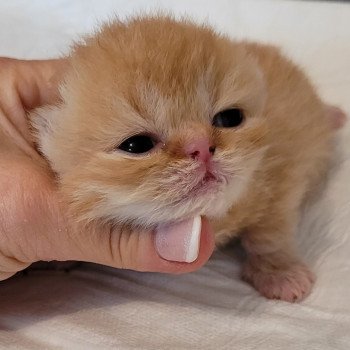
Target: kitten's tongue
(179, 241)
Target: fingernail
(179, 241)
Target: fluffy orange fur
(169, 78)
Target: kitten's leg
(272, 265)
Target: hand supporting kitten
(33, 221)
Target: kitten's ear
(336, 116)
(51, 88)
(45, 122)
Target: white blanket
(95, 307)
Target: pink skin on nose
(199, 149)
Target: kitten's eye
(137, 144)
(230, 118)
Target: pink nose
(200, 149)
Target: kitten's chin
(213, 204)
(213, 200)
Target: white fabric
(95, 307)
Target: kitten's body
(298, 146)
(169, 79)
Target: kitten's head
(159, 121)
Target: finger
(25, 85)
(10, 266)
(39, 81)
(45, 232)
(149, 260)
(10, 102)
(40, 229)
(129, 249)
(35, 81)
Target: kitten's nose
(200, 149)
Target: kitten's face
(165, 84)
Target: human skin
(33, 221)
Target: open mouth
(208, 183)
(209, 177)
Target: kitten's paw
(292, 284)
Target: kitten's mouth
(209, 177)
(209, 182)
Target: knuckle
(122, 247)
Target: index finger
(25, 85)
(37, 81)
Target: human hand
(33, 221)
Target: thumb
(37, 228)
(122, 247)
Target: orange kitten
(162, 121)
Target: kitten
(163, 120)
